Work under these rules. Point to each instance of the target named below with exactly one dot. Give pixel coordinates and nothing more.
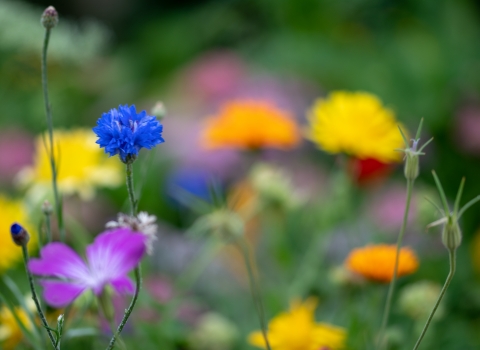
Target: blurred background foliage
(419, 56)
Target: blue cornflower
(124, 132)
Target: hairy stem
(35, 298)
(138, 271)
(255, 290)
(48, 112)
(391, 288)
(452, 256)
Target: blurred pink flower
(467, 129)
(16, 151)
(386, 208)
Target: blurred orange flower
(250, 124)
(376, 262)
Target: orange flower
(249, 124)
(376, 262)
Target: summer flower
(355, 123)
(10, 331)
(250, 124)
(81, 166)
(109, 259)
(142, 223)
(376, 262)
(10, 211)
(297, 329)
(125, 132)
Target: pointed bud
(451, 235)
(19, 235)
(159, 110)
(411, 169)
(49, 17)
(47, 208)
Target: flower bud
(49, 17)
(411, 169)
(19, 235)
(451, 235)
(159, 110)
(47, 208)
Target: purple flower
(125, 132)
(109, 259)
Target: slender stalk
(138, 271)
(452, 256)
(131, 189)
(48, 111)
(391, 288)
(35, 298)
(255, 290)
(48, 225)
(138, 283)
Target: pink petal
(60, 294)
(59, 260)
(123, 285)
(116, 251)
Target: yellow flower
(82, 165)
(12, 211)
(355, 123)
(297, 330)
(249, 124)
(10, 332)
(376, 262)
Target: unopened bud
(159, 110)
(49, 17)
(451, 235)
(411, 169)
(47, 208)
(20, 236)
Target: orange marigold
(376, 262)
(250, 124)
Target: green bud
(411, 169)
(451, 234)
(49, 17)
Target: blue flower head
(124, 132)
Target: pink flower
(109, 259)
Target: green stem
(255, 290)
(48, 223)
(131, 189)
(391, 288)
(35, 298)
(48, 111)
(138, 284)
(452, 256)
(138, 271)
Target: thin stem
(452, 256)
(131, 189)
(48, 111)
(48, 224)
(391, 288)
(255, 290)
(138, 270)
(138, 283)
(35, 298)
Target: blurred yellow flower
(250, 124)
(10, 331)
(376, 262)
(297, 330)
(355, 123)
(82, 165)
(12, 211)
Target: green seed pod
(451, 235)
(411, 169)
